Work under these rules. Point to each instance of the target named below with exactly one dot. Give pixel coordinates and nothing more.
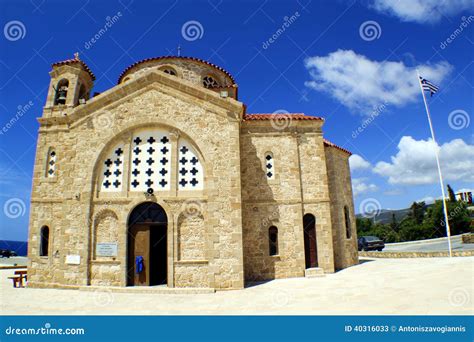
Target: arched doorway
(310, 246)
(147, 245)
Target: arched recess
(191, 236)
(106, 229)
(83, 95)
(61, 92)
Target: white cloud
(393, 192)
(415, 162)
(359, 186)
(427, 200)
(422, 11)
(362, 84)
(356, 162)
(464, 190)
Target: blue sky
(348, 61)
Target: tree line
(422, 222)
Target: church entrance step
(314, 272)
(161, 289)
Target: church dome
(192, 69)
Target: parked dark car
(370, 243)
(5, 253)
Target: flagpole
(448, 229)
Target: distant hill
(385, 215)
(20, 247)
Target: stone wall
(339, 177)
(316, 194)
(299, 187)
(191, 237)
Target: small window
(347, 220)
(51, 163)
(44, 241)
(169, 71)
(61, 92)
(269, 166)
(209, 82)
(273, 240)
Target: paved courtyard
(376, 286)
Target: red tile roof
(270, 116)
(330, 144)
(293, 116)
(74, 61)
(175, 57)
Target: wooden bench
(18, 278)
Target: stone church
(165, 179)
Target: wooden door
(310, 249)
(139, 245)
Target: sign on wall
(106, 249)
(73, 259)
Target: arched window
(169, 71)
(209, 82)
(51, 163)
(347, 220)
(149, 164)
(61, 92)
(269, 165)
(273, 240)
(83, 95)
(44, 241)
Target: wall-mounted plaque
(73, 259)
(106, 249)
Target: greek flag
(428, 86)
